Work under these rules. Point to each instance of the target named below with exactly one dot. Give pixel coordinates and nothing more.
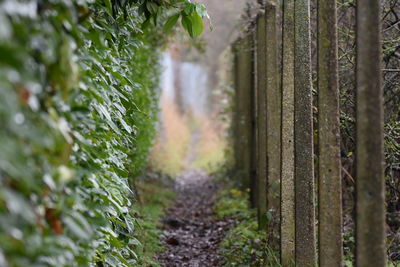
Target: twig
(349, 175)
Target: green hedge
(78, 102)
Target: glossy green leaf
(197, 24)
(171, 22)
(187, 25)
(151, 7)
(109, 8)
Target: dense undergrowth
(245, 244)
(391, 87)
(77, 109)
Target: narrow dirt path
(191, 232)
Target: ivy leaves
(78, 100)
(163, 12)
(78, 106)
(191, 15)
(171, 22)
(192, 18)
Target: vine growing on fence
(78, 103)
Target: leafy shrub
(232, 202)
(245, 244)
(77, 106)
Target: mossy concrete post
(253, 129)
(329, 186)
(246, 88)
(287, 220)
(241, 140)
(262, 124)
(273, 109)
(303, 132)
(236, 110)
(370, 206)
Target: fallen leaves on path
(191, 232)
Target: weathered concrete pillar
(287, 219)
(236, 110)
(273, 109)
(246, 111)
(370, 220)
(253, 120)
(241, 138)
(273, 112)
(329, 186)
(262, 123)
(303, 132)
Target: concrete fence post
(370, 185)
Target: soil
(191, 232)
